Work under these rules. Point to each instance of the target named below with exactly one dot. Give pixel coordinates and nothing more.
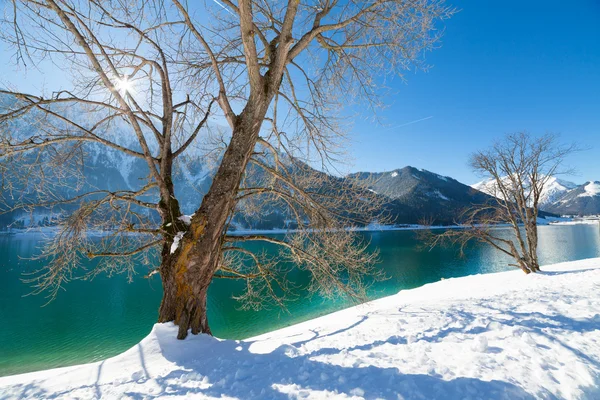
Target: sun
(124, 85)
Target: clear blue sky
(504, 66)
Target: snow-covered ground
(591, 220)
(505, 335)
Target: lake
(94, 320)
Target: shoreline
(370, 228)
(478, 334)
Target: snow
(591, 189)
(553, 190)
(394, 174)
(440, 195)
(554, 220)
(176, 240)
(496, 336)
(578, 221)
(186, 219)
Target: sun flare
(124, 85)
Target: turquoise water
(93, 320)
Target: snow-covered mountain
(410, 195)
(582, 200)
(108, 169)
(417, 194)
(553, 190)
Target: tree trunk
(522, 264)
(532, 242)
(187, 273)
(183, 302)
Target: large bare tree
(155, 72)
(517, 169)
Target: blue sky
(504, 66)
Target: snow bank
(579, 221)
(504, 335)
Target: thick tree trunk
(183, 302)
(187, 273)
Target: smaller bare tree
(518, 168)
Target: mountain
(409, 195)
(108, 169)
(553, 190)
(582, 200)
(561, 197)
(417, 195)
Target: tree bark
(532, 237)
(183, 302)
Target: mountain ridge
(561, 196)
(412, 195)
(581, 201)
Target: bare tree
(518, 168)
(155, 72)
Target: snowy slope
(591, 189)
(495, 336)
(553, 190)
(105, 168)
(583, 200)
